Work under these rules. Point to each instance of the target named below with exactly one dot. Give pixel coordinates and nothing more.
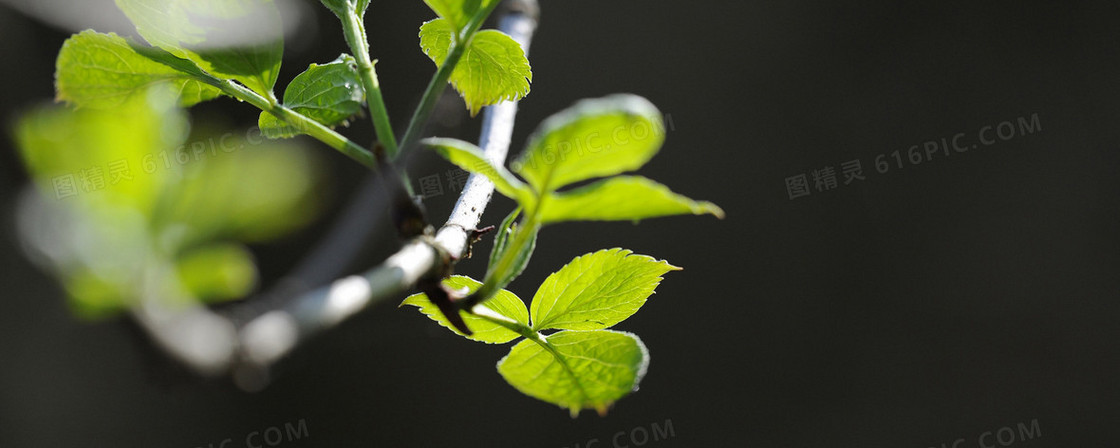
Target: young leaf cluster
(595, 138)
(584, 365)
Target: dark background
(928, 304)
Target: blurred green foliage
(130, 206)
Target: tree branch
(190, 334)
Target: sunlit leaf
(597, 290)
(493, 67)
(594, 138)
(585, 369)
(504, 303)
(103, 71)
(470, 158)
(622, 198)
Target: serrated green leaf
(597, 290)
(102, 71)
(594, 138)
(329, 94)
(501, 238)
(217, 272)
(584, 369)
(469, 157)
(504, 303)
(234, 39)
(458, 12)
(622, 198)
(493, 67)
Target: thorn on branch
(445, 298)
(476, 236)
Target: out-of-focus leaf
(217, 272)
(91, 157)
(240, 191)
(127, 211)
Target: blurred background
(966, 300)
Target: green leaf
(458, 12)
(501, 238)
(329, 94)
(597, 290)
(217, 272)
(584, 369)
(102, 71)
(622, 198)
(594, 138)
(493, 67)
(469, 157)
(234, 39)
(504, 303)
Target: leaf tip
(602, 410)
(710, 208)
